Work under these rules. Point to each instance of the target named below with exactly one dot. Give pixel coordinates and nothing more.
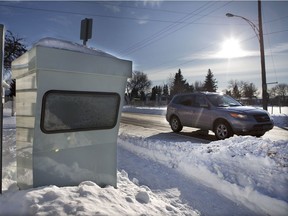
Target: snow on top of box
(67, 45)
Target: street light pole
(259, 34)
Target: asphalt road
(159, 124)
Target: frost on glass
(64, 111)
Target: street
(157, 125)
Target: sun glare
(231, 49)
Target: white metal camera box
(68, 105)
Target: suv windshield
(223, 100)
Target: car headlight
(239, 115)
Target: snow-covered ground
(162, 178)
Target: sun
(231, 48)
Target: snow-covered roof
(71, 46)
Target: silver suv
(220, 113)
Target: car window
(223, 100)
(200, 101)
(186, 101)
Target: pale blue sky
(162, 36)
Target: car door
(185, 110)
(201, 113)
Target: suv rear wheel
(222, 130)
(175, 124)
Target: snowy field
(249, 173)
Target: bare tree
(138, 84)
(199, 86)
(280, 91)
(238, 89)
(14, 47)
(234, 88)
(249, 90)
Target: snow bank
(248, 170)
(88, 199)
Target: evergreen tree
(153, 94)
(165, 90)
(236, 92)
(210, 83)
(179, 84)
(156, 90)
(228, 92)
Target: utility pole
(259, 33)
(262, 53)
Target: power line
(121, 17)
(274, 20)
(115, 17)
(129, 18)
(157, 34)
(145, 8)
(88, 14)
(162, 33)
(204, 48)
(138, 8)
(153, 38)
(276, 32)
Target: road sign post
(2, 39)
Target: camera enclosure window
(70, 111)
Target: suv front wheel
(222, 130)
(175, 124)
